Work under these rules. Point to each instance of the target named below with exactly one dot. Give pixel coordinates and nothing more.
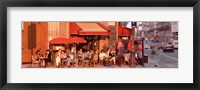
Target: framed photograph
(85, 44)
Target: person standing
(139, 55)
(121, 51)
(156, 49)
(58, 58)
(155, 54)
(48, 57)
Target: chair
(105, 61)
(86, 61)
(126, 58)
(67, 62)
(35, 61)
(95, 59)
(112, 60)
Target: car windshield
(168, 45)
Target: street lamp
(132, 61)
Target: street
(165, 59)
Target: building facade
(166, 31)
(99, 35)
(32, 41)
(174, 29)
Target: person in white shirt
(102, 56)
(58, 58)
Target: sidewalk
(151, 61)
(80, 66)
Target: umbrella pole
(76, 55)
(60, 47)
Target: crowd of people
(91, 58)
(85, 57)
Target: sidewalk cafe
(88, 44)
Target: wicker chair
(34, 61)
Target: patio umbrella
(60, 41)
(77, 40)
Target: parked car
(168, 47)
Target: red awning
(74, 28)
(123, 31)
(92, 28)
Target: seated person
(80, 56)
(112, 56)
(102, 57)
(72, 56)
(91, 58)
(86, 56)
(38, 55)
(127, 57)
(95, 58)
(108, 53)
(68, 60)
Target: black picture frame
(98, 3)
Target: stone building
(165, 30)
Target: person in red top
(156, 38)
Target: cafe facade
(99, 35)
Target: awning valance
(123, 31)
(90, 28)
(74, 28)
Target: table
(62, 61)
(43, 61)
